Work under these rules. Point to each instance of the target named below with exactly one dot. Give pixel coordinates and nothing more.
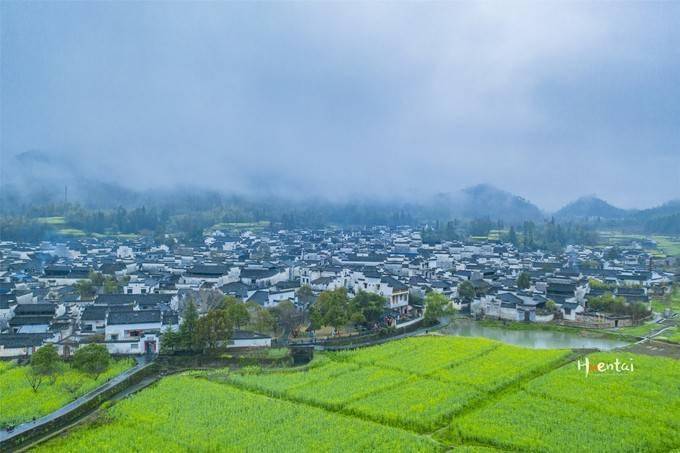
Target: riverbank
(551, 327)
(537, 336)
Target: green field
(638, 331)
(218, 417)
(430, 393)
(52, 220)
(666, 245)
(672, 334)
(669, 245)
(19, 403)
(567, 411)
(240, 226)
(672, 301)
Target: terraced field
(430, 393)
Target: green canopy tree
(287, 316)
(466, 291)
(170, 340)
(236, 310)
(92, 360)
(261, 319)
(523, 281)
(85, 288)
(44, 364)
(331, 308)
(305, 294)
(366, 307)
(435, 306)
(188, 328)
(214, 328)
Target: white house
(247, 339)
(137, 331)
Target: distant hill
(589, 208)
(664, 219)
(484, 200)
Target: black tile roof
(134, 317)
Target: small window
(134, 346)
(114, 337)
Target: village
(126, 294)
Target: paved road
(5, 434)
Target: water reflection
(538, 339)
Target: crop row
(222, 418)
(391, 395)
(567, 410)
(420, 355)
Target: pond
(537, 339)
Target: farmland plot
(182, 414)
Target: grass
(671, 301)
(672, 334)
(638, 331)
(20, 403)
(669, 245)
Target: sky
(388, 100)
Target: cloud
(549, 100)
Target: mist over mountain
(590, 207)
(485, 200)
(35, 178)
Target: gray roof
(134, 317)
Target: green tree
(366, 307)
(523, 281)
(111, 285)
(97, 278)
(92, 360)
(261, 319)
(332, 308)
(44, 364)
(551, 306)
(305, 294)
(287, 316)
(435, 306)
(188, 328)
(85, 289)
(213, 328)
(466, 291)
(170, 340)
(236, 310)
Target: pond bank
(531, 335)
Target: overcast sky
(550, 101)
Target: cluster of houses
(41, 296)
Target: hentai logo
(615, 367)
